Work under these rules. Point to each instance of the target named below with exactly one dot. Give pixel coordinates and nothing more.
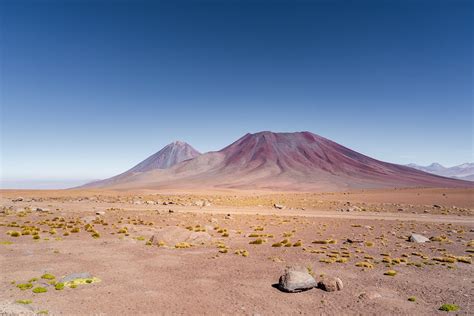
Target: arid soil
(223, 252)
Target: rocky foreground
(70, 255)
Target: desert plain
(222, 252)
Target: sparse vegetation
(449, 308)
(59, 286)
(24, 286)
(40, 289)
(390, 273)
(257, 241)
(48, 276)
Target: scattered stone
(75, 276)
(199, 203)
(353, 241)
(8, 308)
(100, 213)
(278, 206)
(228, 216)
(18, 199)
(330, 284)
(149, 202)
(40, 209)
(88, 219)
(173, 235)
(353, 209)
(370, 295)
(418, 238)
(296, 279)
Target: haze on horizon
(89, 89)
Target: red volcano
(284, 161)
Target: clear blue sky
(90, 88)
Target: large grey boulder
(296, 279)
(418, 238)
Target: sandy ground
(209, 278)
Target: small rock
(44, 210)
(18, 199)
(199, 203)
(370, 295)
(88, 219)
(353, 209)
(100, 213)
(296, 279)
(418, 238)
(149, 202)
(278, 206)
(354, 241)
(330, 284)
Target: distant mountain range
(299, 161)
(464, 171)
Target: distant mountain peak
(436, 165)
(168, 156)
(178, 143)
(465, 170)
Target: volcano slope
(300, 161)
(167, 157)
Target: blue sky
(90, 88)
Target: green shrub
(449, 308)
(391, 273)
(24, 286)
(59, 286)
(48, 276)
(257, 241)
(39, 289)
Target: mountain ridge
(300, 161)
(463, 171)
